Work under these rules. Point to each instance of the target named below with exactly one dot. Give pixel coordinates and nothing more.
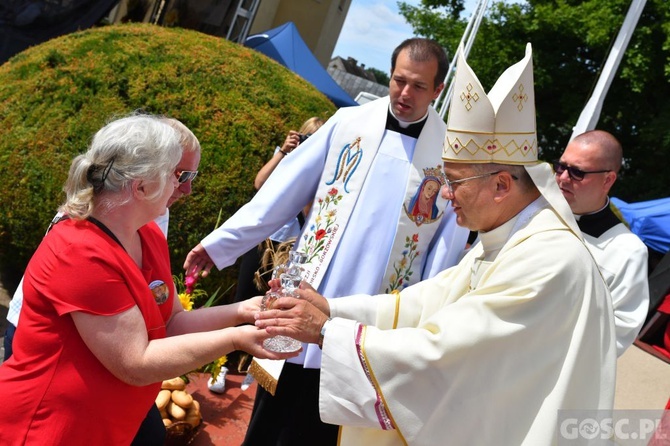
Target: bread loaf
(182, 398)
(174, 384)
(163, 398)
(175, 411)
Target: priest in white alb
(377, 223)
(489, 351)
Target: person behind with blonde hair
(292, 141)
(100, 325)
(251, 260)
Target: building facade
(318, 21)
(358, 82)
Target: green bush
(55, 96)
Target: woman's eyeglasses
(573, 172)
(186, 175)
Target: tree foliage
(382, 77)
(55, 96)
(571, 40)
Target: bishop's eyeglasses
(450, 184)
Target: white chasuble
(352, 190)
(446, 362)
(377, 222)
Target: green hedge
(55, 96)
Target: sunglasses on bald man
(574, 173)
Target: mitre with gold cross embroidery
(498, 127)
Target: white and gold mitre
(494, 128)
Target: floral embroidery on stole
(418, 216)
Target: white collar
(405, 124)
(607, 203)
(495, 239)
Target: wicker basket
(180, 433)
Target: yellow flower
(186, 301)
(214, 367)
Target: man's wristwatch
(322, 333)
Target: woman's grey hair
(136, 147)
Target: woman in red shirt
(95, 341)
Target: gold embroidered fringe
(264, 379)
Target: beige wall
(318, 21)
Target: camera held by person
(303, 137)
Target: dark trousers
(291, 417)
(9, 338)
(249, 264)
(152, 430)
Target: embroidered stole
(352, 155)
(353, 150)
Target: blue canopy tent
(649, 220)
(285, 45)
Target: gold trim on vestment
(264, 379)
(478, 132)
(397, 310)
(378, 388)
(510, 163)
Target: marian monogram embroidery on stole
(347, 162)
(332, 205)
(353, 151)
(325, 225)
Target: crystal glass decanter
(290, 276)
